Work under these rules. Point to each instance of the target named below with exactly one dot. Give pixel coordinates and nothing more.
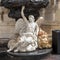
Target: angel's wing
(39, 21)
(20, 26)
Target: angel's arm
(36, 29)
(39, 18)
(22, 14)
(39, 21)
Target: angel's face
(31, 18)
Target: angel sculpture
(28, 33)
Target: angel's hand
(23, 7)
(22, 14)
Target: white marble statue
(28, 33)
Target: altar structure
(26, 27)
(7, 24)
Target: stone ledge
(56, 23)
(7, 29)
(3, 41)
(7, 23)
(6, 35)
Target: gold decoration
(43, 41)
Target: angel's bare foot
(9, 50)
(16, 50)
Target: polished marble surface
(49, 57)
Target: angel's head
(31, 18)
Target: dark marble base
(48, 57)
(37, 52)
(34, 55)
